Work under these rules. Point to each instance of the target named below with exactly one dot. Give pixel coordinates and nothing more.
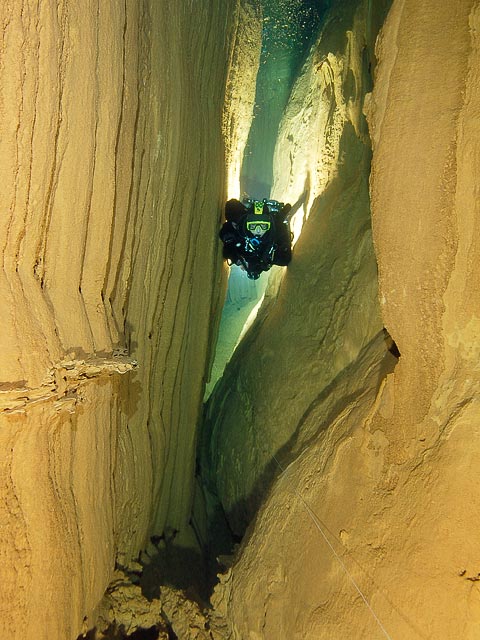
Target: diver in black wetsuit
(256, 235)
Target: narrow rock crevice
(340, 447)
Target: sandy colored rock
(112, 165)
(390, 479)
(297, 348)
(124, 606)
(240, 90)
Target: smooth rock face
(389, 477)
(112, 171)
(297, 348)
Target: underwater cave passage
(288, 31)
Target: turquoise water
(289, 29)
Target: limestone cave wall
(341, 463)
(323, 313)
(365, 528)
(113, 177)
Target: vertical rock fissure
(113, 182)
(288, 30)
(343, 149)
(294, 374)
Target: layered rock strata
(240, 94)
(112, 170)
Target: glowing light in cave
(249, 321)
(296, 224)
(233, 177)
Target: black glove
(228, 237)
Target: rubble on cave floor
(125, 612)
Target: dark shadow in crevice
(243, 514)
(391, 344)
(180, 568)
(189, 570)
(115, 632)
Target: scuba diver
(256, 235)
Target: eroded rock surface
(112, 167)
(389, 475)
(125, 607)
(325, 310)
(113, 178)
